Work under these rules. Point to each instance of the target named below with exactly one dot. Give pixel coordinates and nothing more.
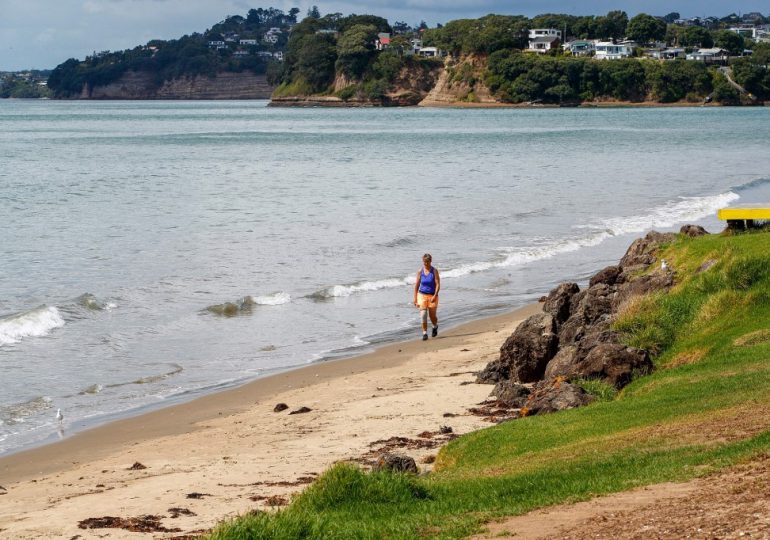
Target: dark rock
(594, 306)
(693, 231)
(511, 394)
(609, 276)
(301, 410)
(494, 373)
(642, 250)
(615, 363)
(563, 364)
(280, 407)
(137, 467)
(444, 430)
(396, 463)
(558, 301)
(556, 395)
(527, 351)
(658, 281)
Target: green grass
(704, 408)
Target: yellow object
(744, 213)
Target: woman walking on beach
(426, 289)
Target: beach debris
(465, 350)
(430, 458)
(280, 407)
(396, 463)
(449, 415)
(445, 430)
(280, 483)
(301, 410)
(147, 523)
(196, 495)
(137, 467)
(426, 435)
(176, 512)
(276, 500)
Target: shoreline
(400, 389)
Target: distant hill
(252, 46)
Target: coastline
(399, 390)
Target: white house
(430, 52)
(666, 53)
(544, 32)
(581, 47)
(270, 38)
(249, 42)
(264, 54)
(606, 50)
(709, 55)
(278, 55)
(217, 44)
(241, 53)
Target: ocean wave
(17, 413)
(751, 185)
(667, 215)
(37, 322)
(339, 291)
(246, 304)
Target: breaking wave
(37, 322)
(685, 209)
(16, 413)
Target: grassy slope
(705, 407)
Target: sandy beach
(228, 453)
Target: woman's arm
(416, 288)
(438, 282)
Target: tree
(645, 28)
(313, 12)
(316, 55)
(672, 17)
(293, 12)
(400, 27)
(730, 41)
(355, 48)
(696, 36)
(612, 26)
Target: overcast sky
(43, 33)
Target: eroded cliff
(142, 85)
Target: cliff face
(141, 85)
(461, 81)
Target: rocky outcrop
(693, 231)
(555, 395)
(573, 337)
(530, 348)
(143, 85)
(510, 394)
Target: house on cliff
(542, 40)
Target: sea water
(154, 251)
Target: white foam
(273, 299)
(667, 215)
(34, 323)
(338, 291)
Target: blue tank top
(427, 282)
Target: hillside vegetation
(704, 408)
(190, 55)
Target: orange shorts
(424, 301)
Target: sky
(40, 34)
